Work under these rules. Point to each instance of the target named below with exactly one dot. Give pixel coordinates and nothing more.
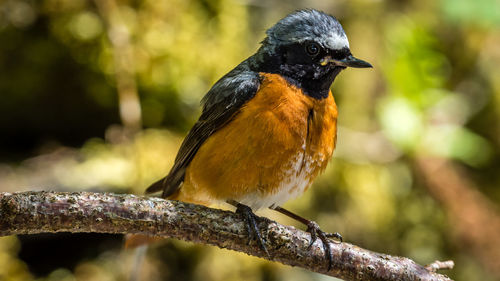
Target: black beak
(351, 61)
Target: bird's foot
(316, 232)
(252, 228)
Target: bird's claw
(316, 232)
(252, 228)
(335, 236)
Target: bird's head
(310, 48)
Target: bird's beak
(349, 61)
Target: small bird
(268, 127)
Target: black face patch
(300, 68)
(298, 54)
(304, 69)
(340, 54)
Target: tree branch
(42, 212)
(438, 265)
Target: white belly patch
(296, 179)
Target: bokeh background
(97, 95)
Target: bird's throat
(318, 88)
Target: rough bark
(43, 212)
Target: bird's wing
(220, 105)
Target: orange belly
(269, 153)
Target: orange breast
(270, 152)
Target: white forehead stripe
(335, 41)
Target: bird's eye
(312, 49)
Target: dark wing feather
(220, 104)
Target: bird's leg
(251, 222)
(315, 231)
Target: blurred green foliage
(434, 91)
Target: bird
(269, 126)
